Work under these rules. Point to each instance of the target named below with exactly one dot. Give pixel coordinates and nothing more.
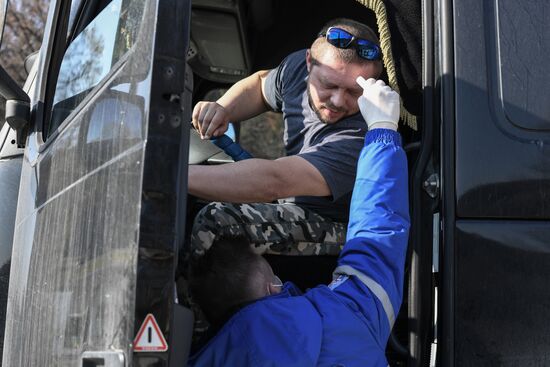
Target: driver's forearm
(244, 99)
(234, 182)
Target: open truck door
(101, 209)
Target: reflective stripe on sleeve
(374, 287)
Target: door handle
(109, 358)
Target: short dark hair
(226, 277)
(347, 55)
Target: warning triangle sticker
(149, 337)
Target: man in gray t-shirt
(331, 148)
(316, 91)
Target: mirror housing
(17, 106)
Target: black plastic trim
(58, 51)
(420, 280)
(447, 85)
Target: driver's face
(331, 86)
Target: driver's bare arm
(257, 180)
(242, 101)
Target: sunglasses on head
(342, 39)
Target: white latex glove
(379, 104)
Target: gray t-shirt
(333, 149)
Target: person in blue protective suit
(262, 322)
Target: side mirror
(17, 106)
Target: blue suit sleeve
(373, 257)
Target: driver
(262, 322)
(315, 89)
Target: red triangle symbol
(149, 337)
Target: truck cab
(95, 214)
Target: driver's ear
(308, 60)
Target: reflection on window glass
(92, 54)
(110, 115)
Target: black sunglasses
(342, 39)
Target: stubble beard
(317, 110)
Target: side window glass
(92, 54)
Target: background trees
(23, 32)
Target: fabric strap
(374, 287)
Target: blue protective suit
(348, 322)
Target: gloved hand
(379, 104)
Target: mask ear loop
(277, 283)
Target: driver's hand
(210, 119)
(379, 104)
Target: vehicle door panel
(502, 177)
(503, 126)
(502, 293)
(10, 173)
(85, 241)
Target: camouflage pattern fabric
(281, 229)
